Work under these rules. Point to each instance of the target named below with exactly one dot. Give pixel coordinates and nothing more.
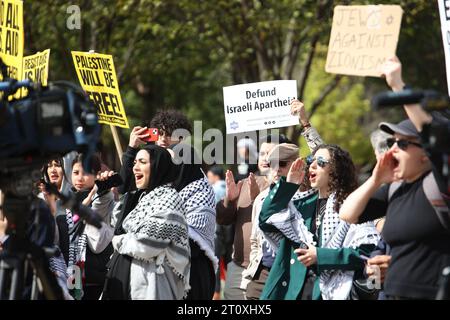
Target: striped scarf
(199, 201)
(77, 251)
(336, 233)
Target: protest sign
(363, 38)
(97, 76)
(11, 33)
(35, 68)
(444, 12)
(259, 105)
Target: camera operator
(420, 243)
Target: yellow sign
(35, 68)
(11, 42)
(363, 38)
(97, 76)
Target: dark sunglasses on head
(401, 143)
(321, 161)
(278, 164)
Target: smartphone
(153, 135)
(300, 245)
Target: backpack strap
(436, 200)
(392, 188)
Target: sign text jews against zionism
(97, 76)
(363, 38)
(11, 41)
(259, 105)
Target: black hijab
(161, 166)
(188, 167)
(117, 284)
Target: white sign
(444, 12)
(259, 105)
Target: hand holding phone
(300, 245)
(113, 181)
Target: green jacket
(287, 275)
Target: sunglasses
(278, 164)
(401, 143)
(321, 161)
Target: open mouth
(395, 163)
(312, 176)
(138, 177)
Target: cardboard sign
(363, 38)
(35, 68)
(444, 12)
(12, 42)
(259, 105)
(97, 76)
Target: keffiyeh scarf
(336, 233)
(199, 201)
(159, 220)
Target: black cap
(406, 128)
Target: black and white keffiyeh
(199, 201)
(336, 233)
(158, 220)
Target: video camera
(49, 123)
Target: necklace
(320, 212)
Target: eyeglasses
(321, 161)
(278, 164)
(401, 143)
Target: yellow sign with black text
(97, 76)
(11, 33)
(35, 68)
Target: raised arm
(312, 137)
(226, 209)
(392, 70)
(356, 202)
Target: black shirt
(420, 244)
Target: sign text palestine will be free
(97, 75)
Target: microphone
(429, 99)
(400, 98)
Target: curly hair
(170, 120)
(343, 179)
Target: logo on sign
(234, 125)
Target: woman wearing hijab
(151, 245)
(199, 201)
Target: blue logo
(234, 125)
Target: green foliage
(180, 53)
(339, 119)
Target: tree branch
(307, 67)
(325, 92)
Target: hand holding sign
(298, 108)
(392, 70)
